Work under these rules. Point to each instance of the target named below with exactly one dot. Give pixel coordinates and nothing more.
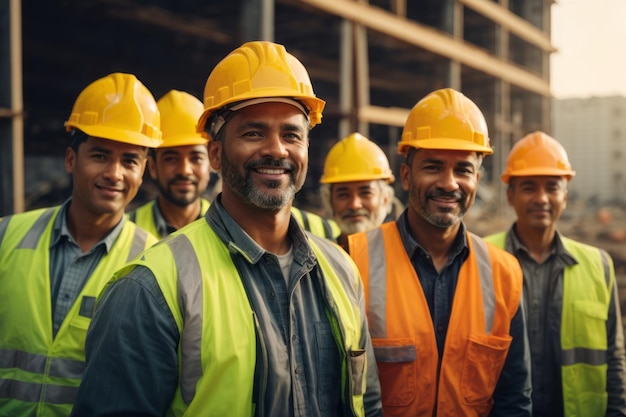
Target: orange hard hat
(445, 119)
(537, 154)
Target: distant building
(593, 130)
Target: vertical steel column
(257, 20)
(11, 109)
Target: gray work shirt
(70, 268)
(303, 364)
(543, 302)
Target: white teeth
(270, 171)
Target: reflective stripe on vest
(211, 287)
(378, 287)
(487, 296)
(40, 375)
(587, 291)
(144, 216)
(315, 224)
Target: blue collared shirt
(70, 268)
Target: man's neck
(178, 216)
(268, 228)
(538, 241)
(87, 228)
(436, 241)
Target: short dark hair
(78, 137)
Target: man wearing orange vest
(444, 307)
(573, 310)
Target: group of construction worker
(248, 306)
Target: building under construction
(371, 61)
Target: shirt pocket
(484, 360)
(397, 370)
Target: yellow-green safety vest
(143, 216)
(587, 289)
(315, 224)
(39, 374)
(207, 299)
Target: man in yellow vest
(355, 186)
(179, 167)
(54, 262)
(243, 313)
(571, 298)
(444, 307)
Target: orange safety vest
(487, 296)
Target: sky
(590, 36)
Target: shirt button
(440, 329)
(297, 370)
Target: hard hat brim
(118, 135)
(538, 172)
(444, 144)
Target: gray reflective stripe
(34, 363)
(4, 224)
(395, 353)
(486, 280)
(581, 355)
(31, 392)
(191, 306)
(605, 265)
(378, 286)
(32, 237)
(139, 243)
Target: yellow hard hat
(445, 119)
(259, 70)
(537, 154)
(179, 115)
(356, 158)
(117, 107)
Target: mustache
(350, 212)
(270, 162)
(458, 195)
(193, 179)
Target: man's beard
(180, 201)
(244, 186)
(373, 219)
(439, 218)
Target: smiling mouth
(271, 171)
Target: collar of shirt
(162, 227)
(412, 246)
(515, 246)
(237, 240)
(61, 231)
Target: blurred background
(528, 64)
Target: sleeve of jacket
(616, 372)
(372, 398)
(512, 396)
(132, 367)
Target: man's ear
(215, 154)
(70, 160)
(152, 166)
